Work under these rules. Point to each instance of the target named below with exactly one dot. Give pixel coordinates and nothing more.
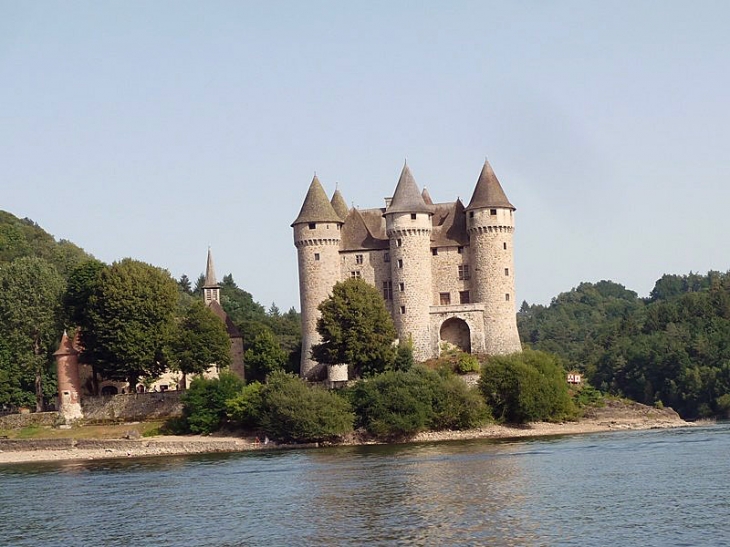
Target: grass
(80, 431)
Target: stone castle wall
(132, 406)
(445, 274)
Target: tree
(131, 321)
(356, 329)
(204, 404)
(30, 304)
(263, 357)
(200, 341)
(185, 284)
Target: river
(644, 488)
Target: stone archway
(456, 332)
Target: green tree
(30, 305)
(263, 357)
(204, 404)
(200, 341)
(131, 316)
(356, 329)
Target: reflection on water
(641, 488)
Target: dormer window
(413, 216)
(492, 212)
(312, 225)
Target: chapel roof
(231, 329)
(488, 192)
(210, 279)
(316, 206)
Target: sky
(154, 130)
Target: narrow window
(445, 298)
(312, 225)
(504, 245)
(388, 290)
(413, 216)
(492, 212)
(464, 297)
(386, 257)
(355, 274)
(316, 256)
(401, 287)
(400, 263)
(460, 250)
(403, 309)
(464, 272)
(434, 251)
(471, 214)
(358, 259)
(506, 296)
(506, 271)
(399, 242)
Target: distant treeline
(672, 348)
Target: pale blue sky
(154, 129)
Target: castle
(446, 271)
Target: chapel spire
(211, 289)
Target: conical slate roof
(407, 198)
(316, 206)
(65, 347)
(488, 192)
(210, 279)
(339, 205)
(426, 197)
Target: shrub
(525, 387)
(293, 411)
(401, 404)
(467, 363)
(245, 408)
(204, 403)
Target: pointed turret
(339, 205)
(407, 198)
(316, 206)
(65, 347)
(426, 197)
(69, 382)
(211, 289)
(488, 192)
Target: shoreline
(30, 451)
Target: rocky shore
(614, 416)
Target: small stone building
(445, 270)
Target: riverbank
(614, 416)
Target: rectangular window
(434, 251)
(506, 271)
(413, 216)
(504, 245)
(460, 250)
(403, 309)
(401, 287)
(506, 296)
(492, 212)
(312, 225)
(445, 298)
(399, 242)
(358, 259)
(471, 214)
(355, 274)
(400, 263)
(464, 272)
(386, 257)
(464, 297)
(388, 290)
(316, 256)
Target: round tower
(408, 226)
(69, 383)
(490, 224)
(317, 239)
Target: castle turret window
(312, 225)
(464, 297)
(401, 287)
(355, 274)
(492, 212)
(399, 242)
(434, 251)
(400, 263)
(460, 250)
(506, 296)
(358, 259)
(445, 298)
(413, 216)
(464, 272)
(316, 256)
(387, 290)
(403, 309)
(504, 245)
(506, 271)
(386, 257)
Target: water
(653, 488)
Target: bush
(245, 408)
(292, 411)
(204, 403)
(467, 363)
(525, 387)
(400, 404)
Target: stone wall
(132, 407)
(19, 421)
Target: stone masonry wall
(132, 407)
(445, 274)
(19, 421)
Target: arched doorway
(456, 332)
(109, 390)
